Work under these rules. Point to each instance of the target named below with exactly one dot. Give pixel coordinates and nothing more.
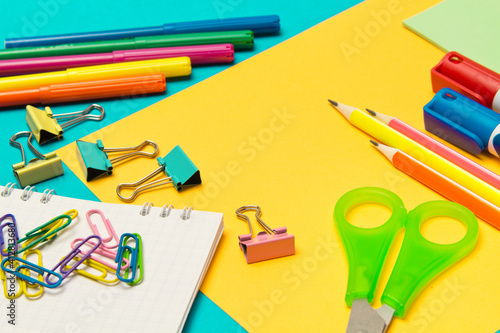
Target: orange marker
(80, 91)
(441, 184)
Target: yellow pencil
(397, 140)
(170, 67)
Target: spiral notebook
(178, 245)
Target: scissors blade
(364, 319)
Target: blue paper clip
(33, 267)
(72, 254)
(12, 233)
(180, 171)
(134, 255)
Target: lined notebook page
(176, 255)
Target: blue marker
(463, 122)
(258, 24)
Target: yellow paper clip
(8, 292)
(44, 125)
(26, 271)
(47, 231)
(38, 169)
(98, 267)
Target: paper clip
(38, 169)
(180, 171)
(47, 231)
(10, 293)
(101, 251)
(103, 269)
(109, 228)
(134, 255)
(44, 124)
(11, 232)
(24, 284)
(268, 244)
(26, 265)
(95, 162)
(62, 265)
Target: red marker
(468, 78)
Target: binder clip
(44, 125)
(268, 244)
(38, 169)
(95, 162)
(463, 122)
(469, 78)
(180, 171)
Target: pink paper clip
(109, 228)
(268, 244)
(100, 252)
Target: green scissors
(419, 259)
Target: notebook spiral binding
(27, 192)
(47, 195)
(165, 210)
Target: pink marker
(199, 54)
(442, 150)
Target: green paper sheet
(468, 27)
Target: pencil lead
(333, 102)
(371, 112)
(375, 143)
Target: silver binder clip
(38, 169)
(44, 124)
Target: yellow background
(262, 133)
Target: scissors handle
(420, 260)
(367, 248)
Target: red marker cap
(468, 78)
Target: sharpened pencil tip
(375, 143)
(373, 113)
(333, 102)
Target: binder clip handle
(79, 116)
(16, 144)
(258, 214)
(134, 151)
(139, 185)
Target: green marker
(240, 39)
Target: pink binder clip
(268, 244)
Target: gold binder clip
(44, 125)
(38, 169)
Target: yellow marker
(170, 67)
(397, 140)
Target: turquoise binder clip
(38, 169)
(180, 171)
(95, 162)
(44, 125)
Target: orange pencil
(441, 184)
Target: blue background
(47, 17)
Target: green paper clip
(44, 125)
(47, 231)
(95, 162)
(134, 256)
(180, 171)
(38, 169)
